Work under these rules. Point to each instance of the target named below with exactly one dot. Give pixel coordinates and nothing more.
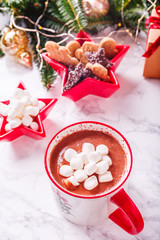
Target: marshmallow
(34, 126)
(65, 171)
(8, 119)
(27, 120)
(28, 110)
(108, 159)
(105, 177)
(34, 101)
(91, 183)
(8, 127)
(35, 111)
(83, 156)
(88, 148)
(94, 156)
(20, 115)
(19, 93)
(71, 182)
(31, 110)
(22, 106)
(102, 167)
(80, 175)
(90, 168)
(26, 93)
(15, 122)
(69, 154)
(76, 163)
(12, 113)
(41, 105)
(4, 109)
(103, 149)
(26, 100)
(17, 104)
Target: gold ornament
(5, 30)
(25, 58)
(15, 42)
(95, 8)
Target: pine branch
(118, 4)
(70, 10)
(48, 75)
(1, 53)
(21, 7)
(131, 18)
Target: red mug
(92, 210)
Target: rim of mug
(87, 196)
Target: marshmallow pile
(89, 166)
(22, 109)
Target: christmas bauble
(5, 30)
(95, 8)
(25, 58)
(14, 40)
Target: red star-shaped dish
(22, 130)
(89, 85)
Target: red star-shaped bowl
(22, 130)
(89, 85)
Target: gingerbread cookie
(109, 44)
(60, 54)
(100, 71)
(90, 47)
(72, 46)
(80, 55)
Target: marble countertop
(28, 210)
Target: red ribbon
(155, 20)
(152, 48)
(155, 25)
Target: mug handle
(127, 216)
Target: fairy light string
(122, 14)
(68, 34)
(38, 35)
(40, 30)
(153, 4)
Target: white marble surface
(28, 210)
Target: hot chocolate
(77, 141)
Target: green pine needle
(48, 75)
(1, 53)
(70, 10)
